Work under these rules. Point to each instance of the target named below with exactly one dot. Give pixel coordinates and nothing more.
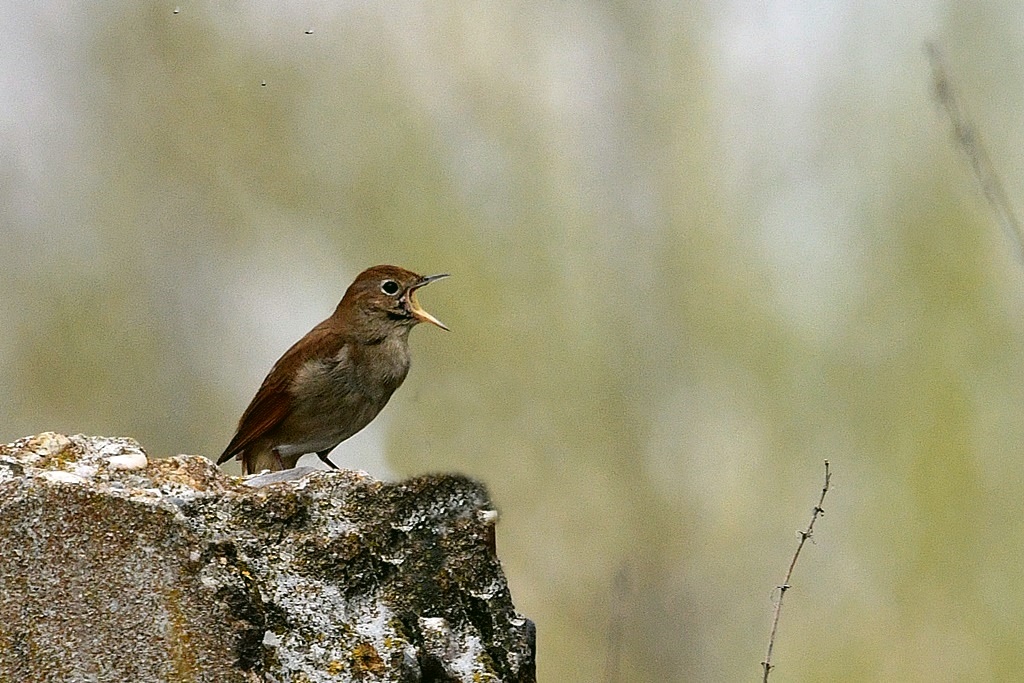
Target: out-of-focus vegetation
(697, 249)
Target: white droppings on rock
(128, 461)
(62, 477)
(488, 516)
(271, 639)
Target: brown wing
(273, 402)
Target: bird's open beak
(414, 306)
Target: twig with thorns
(805, 535)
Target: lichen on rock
(119, 567)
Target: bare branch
(967, 139)
(804, 536)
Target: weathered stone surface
(114, 567)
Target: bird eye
(389, 287)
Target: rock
(117, 567)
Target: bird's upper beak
(414, 306)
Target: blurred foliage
(698, 249)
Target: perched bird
(334, 380)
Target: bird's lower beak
(414, 306)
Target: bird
(337, 378)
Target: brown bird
(334, 380)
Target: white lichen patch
(462, 655)
(374, 624)
(467, 664)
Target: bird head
(385, 297)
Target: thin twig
(967, 139)
(804, 535)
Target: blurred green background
(697, 249)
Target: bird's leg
(323, 456)
(277, 455)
